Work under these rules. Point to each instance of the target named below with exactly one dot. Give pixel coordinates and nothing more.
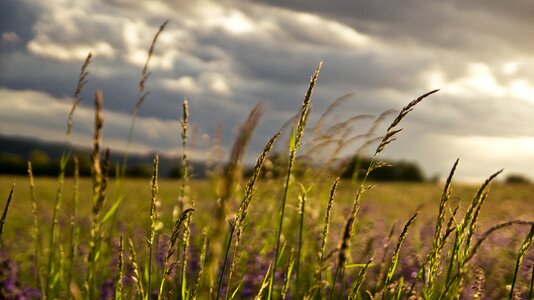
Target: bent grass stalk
(524, 247)
(492, 230)
(374, 164)
(389, 137)
(293, 147)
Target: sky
(225, 57)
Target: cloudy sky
(227, 56)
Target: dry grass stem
(82, 80)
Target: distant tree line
(138, 167)
(395, 171)
(349, 168)
(44, 165)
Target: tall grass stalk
(492, 230)
(99, 180)
(293, 147)
(324, 240)
(97, 232)
(74, 228)
(522, 251)
(82, 80)
(54, 228)
(374, 164)
(232, 177)
(185, 171)
(141, 95)
(185, 180)
(240, 216)
(155, 224)
(35, 230)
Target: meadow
(304, 234)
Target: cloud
(227, 56)
(9, 37)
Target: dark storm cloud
(445, 24)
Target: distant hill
(16, 151)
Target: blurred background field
(384, 210)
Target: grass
(304, 234)
(497, 256)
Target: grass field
(386, 208)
